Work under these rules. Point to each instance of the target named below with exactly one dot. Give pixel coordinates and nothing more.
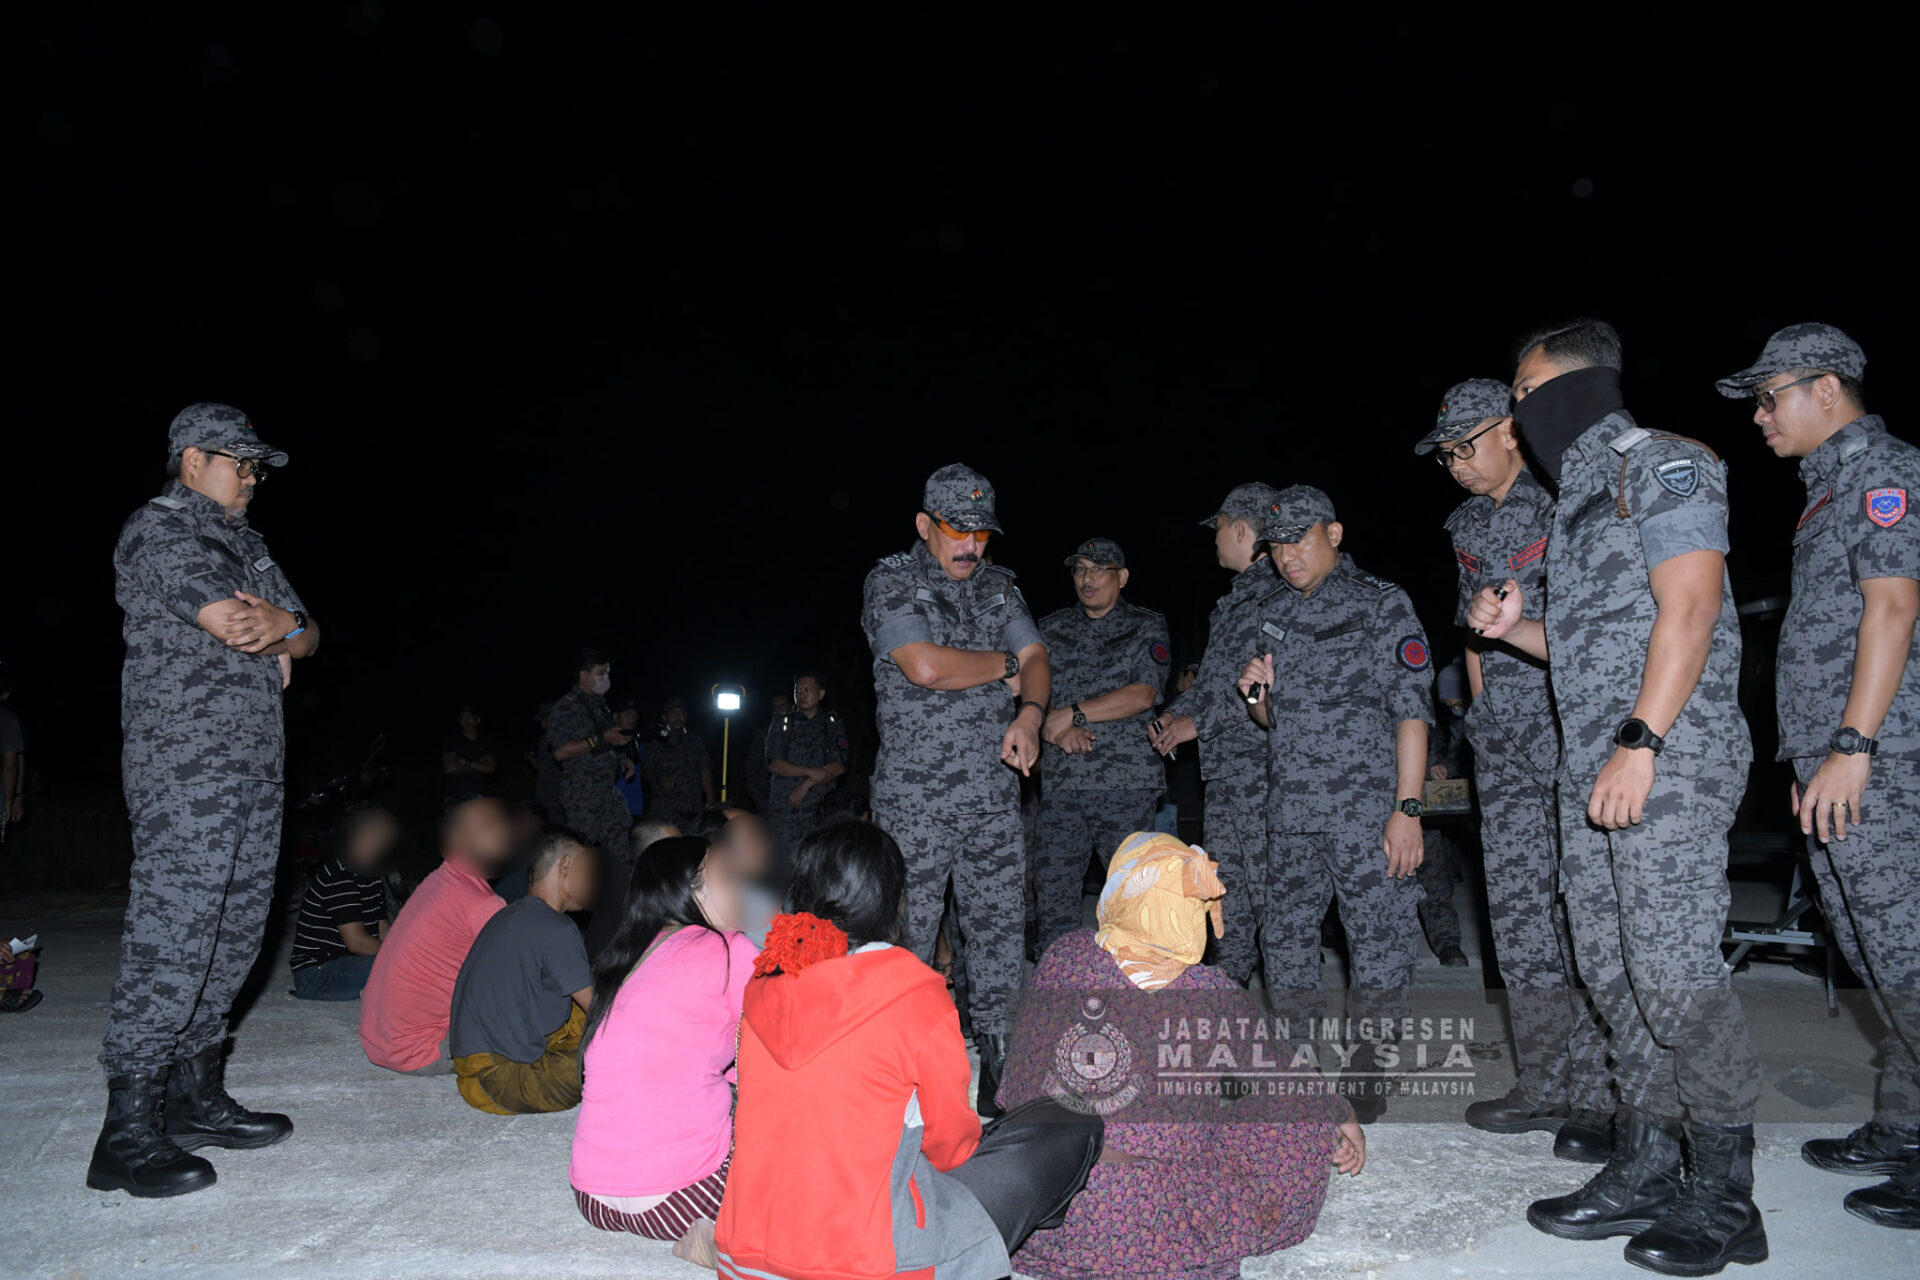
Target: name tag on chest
(1273, 632)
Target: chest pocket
(1337, 659)
(1593, 509)
(1815, 519)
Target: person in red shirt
(857, 1154)
(408, 999)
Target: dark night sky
(582, 327)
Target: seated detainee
(656, 1115)
(521, 1002)
(744, 846)
(1173, 1196)
(857, 1154)
(405, 1007)
(343, 913)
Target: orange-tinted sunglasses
(978, 535)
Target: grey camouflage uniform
(1094, 801)
(1233, 761)
(202, 767)
(939, 787)
(680, 759)
(1354, 664)
(1869, 882)
(592, 804)
(1516, 755)
(1647, 905)
(798, 740)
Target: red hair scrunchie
(796, 941)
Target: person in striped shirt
(343, 914)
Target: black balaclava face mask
(1559, 410)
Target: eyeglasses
(958, 535)
(1091, 570)
(1460, 452)
(242, 467)
(1765, 398)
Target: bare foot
(697, 1245)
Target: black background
(580, 326)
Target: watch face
(1847, 741)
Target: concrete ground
(389, 1176)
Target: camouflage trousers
(597, 812)
(1553, 1023)
(1306, 872)
(1647, 907)
(792, 824)
(1438, 919)
(1236, 838)
(1071, 825)
(1870, 894)
(201, 887)
(985, 856)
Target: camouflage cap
(222, 427)
(1467, 405)
(962, 497)
(1297, 509)
(1245, 502)
(1798, 346)
(1100, 551)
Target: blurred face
(486, 835)
(718, 892)
(1799, 421)
(807, 694)
(1495, 457)
(1306, 563)
(958, 556)
(218, 477)
(1533, 370)
(1232, 542)
(676, 718)
(372, 842)
(1097, 585)
(469, 723)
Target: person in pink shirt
(408, 998)
(655, 1131)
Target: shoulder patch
(1885, 507)
(1366, 579)
(1160, 654)
(1680, 476)
(1413, 653)
(1628, 439)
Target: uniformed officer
(951, 636)
(212, 627)
(1233, 748)
(1849, 719)
(1345, 685)
(679, 771)
(781, 704)
(587, 742)
(806, 757)
(1101, 779)
(1501, 531)
(1640, 621)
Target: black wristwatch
(1013, 664)
(1079, 717)
(1851, 742)
(1412, 808)
(1634, 735)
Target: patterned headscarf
(1154, 910)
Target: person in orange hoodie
(857, 1153)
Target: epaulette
(1275, 592)
(1854, 447)
(832, 718)
(1629, 439)
(999, 568)
(1460, 512)
(898, 560)
(1366, 579)
(786, 722)
(167, 502)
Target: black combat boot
(993, 1061)
(1514, 1114)
(200, 1113)
(1893, 1203)
(1586, 1138)
(133, 1154)
(1872, 1148)
(1715, 1221)
(1639, 1183)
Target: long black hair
(659, 896)
(851, 872)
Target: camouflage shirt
(576, 716)
(1608, 532)
(1231, 744)
(942, 746)
(798, 740)
(1351, 663)
(1513, 716)
(679, 758)
(1092, 656)
(1859, 487)
(191, 707)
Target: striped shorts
(667, 1220)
